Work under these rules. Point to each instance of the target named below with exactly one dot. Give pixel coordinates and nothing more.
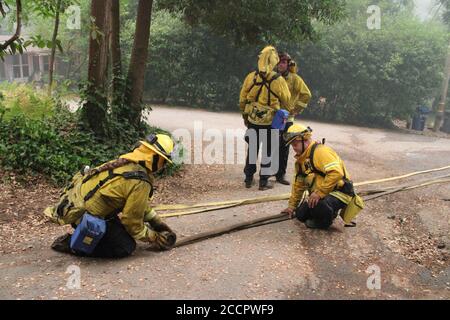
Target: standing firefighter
(93, 200)
(263, 93)
(322, 173)
(300, 97)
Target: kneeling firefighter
(322, 173)
(95, 198)
(263, 94)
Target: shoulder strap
(311, 160)
(260, 84)
(255, 77)
(138, 175)
(299, 171)
(91, 193)
(264, 83)
(275, 77)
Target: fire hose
(368, 195)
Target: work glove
(165, 240)
(159, 225)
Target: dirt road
(403, 238)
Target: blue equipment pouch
(280, 119)
(88, 234)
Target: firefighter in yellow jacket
(263, 93)
(122, 186)
(300, 97)
(320, 172)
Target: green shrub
(19, 98)
(53, 144)
(367, 76)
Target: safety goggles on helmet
(152, 139)
(299, 135)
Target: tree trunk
(138, 61)
(441, 107)
(116, 55)
(94, 110)
(51, 66)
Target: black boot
(249, 182)
(264, 184)
(282, 180)
(62, 244)
(311, 224)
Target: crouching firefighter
(95, 198)
(263, 94)
(320, 172)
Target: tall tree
(116, 55)
(94, 110)
(138, 61)
(445, 5)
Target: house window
(20, 66)
(46, 60)
(36, 67)
(2, 71)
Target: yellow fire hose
(283, 217)
(176, 210)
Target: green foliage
(34, 11)
(374, 76)
(366, 76)
(52, 144)
(24, 99)
(248, 21)
(444, 6)
(190, 66)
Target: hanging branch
(16, 35)
(51, 67)
(2, 10)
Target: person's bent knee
(302, 212)
(323, 215)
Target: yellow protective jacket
(300, 94)
(264, 91)
(119, 194)
(278, 86)
(325, 160)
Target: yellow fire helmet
(153, 152)
(297, 132)
(162, 144)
